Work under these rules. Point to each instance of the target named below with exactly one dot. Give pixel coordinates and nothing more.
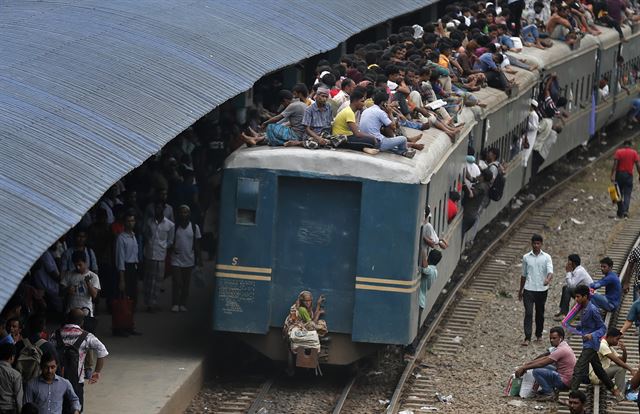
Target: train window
(247, 200)
(445, 216)
(439, 217)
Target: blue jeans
(602, 302)
(395, 144)
(548, 379)
(635, 108)
(530, 33)
(625, 183)
(410, 124)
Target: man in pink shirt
(553, 378)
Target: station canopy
(90, 89)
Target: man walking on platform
(127, 264)
(158, 237)
(591, 328)
(537, 272)
(622, 174)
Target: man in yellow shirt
(345, 123)
(607, 354)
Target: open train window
(247, 200)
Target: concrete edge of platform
(180, 399)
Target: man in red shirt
(622, 174)
(452, 205)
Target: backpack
(69, 357)
(497, 186)
(28, 360)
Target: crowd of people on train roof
(421, 77)
(149, 226)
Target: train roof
(394, 168)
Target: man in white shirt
(82, 285)
(576, 275)
(70, 333)
(158, 236)
(429, 238)
(375, 118)
(533, 122)
(537, 272)
(185, 254)
(346, 88)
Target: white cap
(534, 103)
(418, 31)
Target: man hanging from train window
(452, 205)
(428, 235)
(493, 163)
(475, 199)
(428, 275)
(547, 136)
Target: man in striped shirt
(318, 117)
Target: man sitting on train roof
(559, 26)
(285, 127)
(317, 120)
(489, 64)
(346, 124)
(377, 118)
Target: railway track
(603, 402)
(251, 396)
(416, 389)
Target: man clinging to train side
(537, 272)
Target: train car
(347, 225)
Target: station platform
(160, 371)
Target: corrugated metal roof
(91, 89)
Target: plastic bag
(630, 394)
(513, 386)
(614, 193)
(527, 385)
(199, 276)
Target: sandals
(310, 144)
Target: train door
(316, 246)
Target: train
(346, 224)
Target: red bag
(122, 314)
